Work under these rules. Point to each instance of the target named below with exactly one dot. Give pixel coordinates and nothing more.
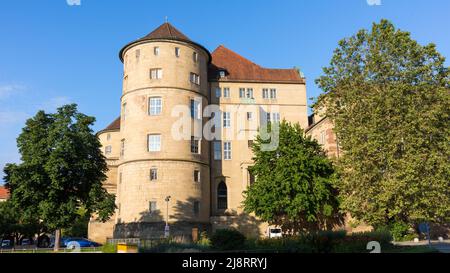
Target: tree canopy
(62, 170)
(293, 188)
(388, 97)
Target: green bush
(204, 240)
(228, 239)
(399, 230)
(109, 248)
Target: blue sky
(52, 53)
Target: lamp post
(167, 229)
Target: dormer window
(222, 73)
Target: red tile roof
(4, 194)
(167, 31)
(239, 68)
(114, 126)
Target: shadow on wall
(151, 225)
(247, 224)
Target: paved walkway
(443, 246)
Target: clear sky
(52, 53)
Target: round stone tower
(162, 178)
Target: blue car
(83, 242)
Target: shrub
(204, 240)
(228, 239)
(109, 248)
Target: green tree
(294, 183)
(388, 97)
(62, 170)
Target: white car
(6, 243)
(275, 233)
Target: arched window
(222, 196)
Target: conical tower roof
(165, 31)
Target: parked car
(83, 242)
(275, 233)
(6, 244)
(26, 242)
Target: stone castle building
(190, 182)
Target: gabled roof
(239, 68)
(165, 31)
(4, 194)
(114, 126)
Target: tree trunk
(57, 240)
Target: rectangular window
(155, 106)
(195, 57)
(268, 117)
(156, 51)
(177, 51)
(108, 137)
(276, 117)
(195, 145)
(138, 54)
(124, 111)
(217, 150)
(152, 206)
(156, 73)
(194, 78)
(226, 120)
(273, 93)
(196, 208)
(227, 150)
(226, 92)
(196, 176)
(241, 93)
(154, 143)
(122, 147)
(218, 92)
(265, 93)
(108, 150)
(249, 93)
(322, 138)
(250, 144)
(249, 116)
(196, 111)
(153, 174)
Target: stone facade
(205, 191)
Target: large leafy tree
(294, 183)
(388, 97)
(62, 170)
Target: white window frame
(196, 109)
(273, 93)
(197, 176)
(249, 116)
(156, 73)
(153, 209)
(226, 120)
(226, 92)
(154, 142)
(194, 78)
(108, 150)
(154, 108)
(242, 93)
(249, 93)
(177, 52)
(276, 117)
(217, 149)
(156, 50)
(195, 145)
(265, 93)
(153, 174)
(227, 150)
(195, 56)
